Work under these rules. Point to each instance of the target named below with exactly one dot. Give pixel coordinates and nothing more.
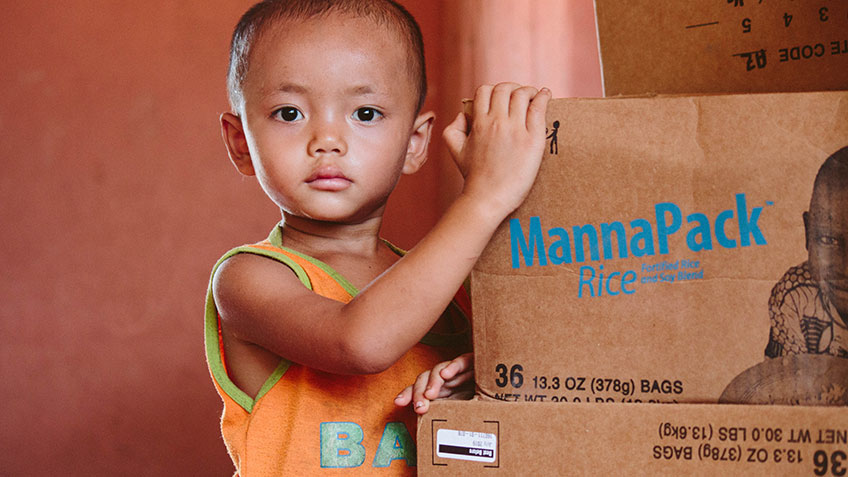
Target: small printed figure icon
(553, 137)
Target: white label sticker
(466, 445)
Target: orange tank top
(308, 422)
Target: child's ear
(806, 216)
(233, 132)
(416, 151)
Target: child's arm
(450, 379)
(263, 304)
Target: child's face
(329, 117)
(827, 243)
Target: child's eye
(366, 114)
(829, 240)
(288, 114)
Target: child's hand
(500, 155)
(450, 379)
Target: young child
(310, 333)
(809, 305)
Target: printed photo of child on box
(807, 352)
(809, 305)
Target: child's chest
(360, 270)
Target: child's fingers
(405, 397)
(447, 379)
(458, 365)
(455, 135)
(420, 402)
(434, 382)
(414, 394)
(501, 95)
(536, 111)
(482, 98)
(459, 380)
(519, 101)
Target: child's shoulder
(256, 292)
(248, 275)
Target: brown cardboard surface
(738, 172)
(734, 46)
(629, 439)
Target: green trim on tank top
(212, 345)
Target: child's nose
(327, 138)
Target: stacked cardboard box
(663, 253)
(487, 438)
(642, 264)
(732, 46)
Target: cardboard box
(733, 46)
(484, 438)
(642, 264)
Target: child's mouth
(328, 179)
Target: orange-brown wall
(116, 197)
